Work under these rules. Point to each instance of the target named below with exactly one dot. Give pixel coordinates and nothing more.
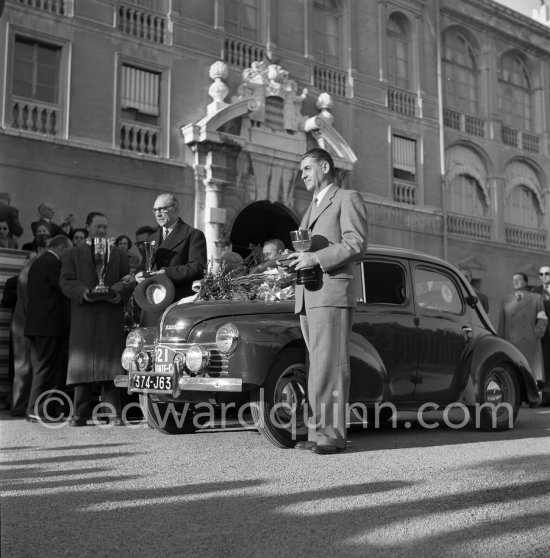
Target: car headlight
(135, 339)
(128, 357)
(197, 358)
(226, 338)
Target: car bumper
(187, 383)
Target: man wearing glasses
(544, 290)
(180, 254)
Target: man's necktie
(164, 233)
(518, 296)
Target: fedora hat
(155, 293)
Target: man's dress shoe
(78, 421)
(305, 445)
(326, 450)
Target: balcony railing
(404, 192)
(59, 7)
(521, 140)
(140, 23)
(140, 138)
(465, 225)
(31, 116)
(242, 53)
(523, 236)
(403, 102)
(331, 80)
(464, 122)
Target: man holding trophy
(332, 236)
(96, 278)
(177, 258)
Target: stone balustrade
(464, 225)
(140, 138)
(33, 116)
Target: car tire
(499, 385)
(168, 418)
(278, 406)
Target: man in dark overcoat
(181, 252)
(97, 334)
(544, 290)
(47, 326)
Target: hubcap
(494, 392)
(290, 394)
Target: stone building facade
(437, 111)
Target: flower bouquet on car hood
(220, 284)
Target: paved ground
(398, 492)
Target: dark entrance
(261, 221)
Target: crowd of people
(65, 333)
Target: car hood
(180, 318)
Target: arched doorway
(261, 221)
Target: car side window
(384, 283)
(436, 291)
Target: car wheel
(278, 406)
(168, 418)
(498, 399)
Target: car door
(444, 330)
(384, 321)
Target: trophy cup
(100, 255)
(301, 240)
(149, 249)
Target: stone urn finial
(218, 90)
(324, 104)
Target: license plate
(158, 382)
(164, 359)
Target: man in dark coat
(181, 253)
(96, 340)
(544, 290)
(47, 326)
(10, 214)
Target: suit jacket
(339, 238)
(546, 304)
(10, 214)
(48, 310)
(518, 325)
(97, 329)
(182, 255)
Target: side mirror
(472, 300)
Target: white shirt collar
(52, 252)
(321, 194)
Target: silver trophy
(149, 249)
(100, 255)
(301, 240)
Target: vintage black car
(420, 340)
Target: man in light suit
(522, 322)
(181, 253)
(337, 220)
